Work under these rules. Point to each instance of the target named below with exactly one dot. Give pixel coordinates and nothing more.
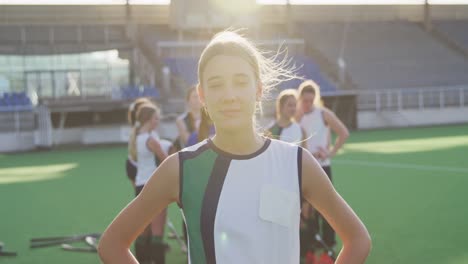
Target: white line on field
(401, 165)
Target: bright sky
(163, 2)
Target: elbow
(345, 134)
(104, 250)
(111, 248)
(367, 243)
(364, 244)
(360, 245)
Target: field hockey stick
(69, 247)
(54, 241)
(182, 245)
(90, 241)
(329, 250)
(43, 239)
(6, 253)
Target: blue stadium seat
(15, 101)
(457, 30)
(308, 69)
(129, 92)
(150, 91)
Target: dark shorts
(328, 171)
(131, 170)
(138, 189)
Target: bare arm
(156, 148)
(319, 192)
(338, 128)
(304, 138)
(161, 190)
(183, 131)
(299, 112)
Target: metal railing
(412, 98)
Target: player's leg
(158, 247)
(142, 243)
(328, 234)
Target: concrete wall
(408, 118)
(91, 135)
(17, 141)
(24, 141)
(105, 134)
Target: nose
(229, 94)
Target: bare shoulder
(313, 177)
(331, 118)
(172, 162)
(327, 112)
(179, 120)
(165, 179)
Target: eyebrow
(237, 75)
(243, 75)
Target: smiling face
(229, 90)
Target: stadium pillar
(427, 16)
(289, 19)
(132, 66)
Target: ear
(201, 94)
(259, 92)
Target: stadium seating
(15, 102)
(385, 55)
(132, 92)
(456, 30)
(308, 69)
(36, 39)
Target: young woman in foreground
(240, 193)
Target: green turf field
(408, 186)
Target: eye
(242, 83)
(215, 85)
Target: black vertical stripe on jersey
(299, 171)
(210, 205)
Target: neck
(145, 129)
(283, 121)
(242, 142)
(312, 108)
(195, 113)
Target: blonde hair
(310, 86)
(143, 115)
(282, 98)
(269, 71)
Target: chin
(233, 124)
